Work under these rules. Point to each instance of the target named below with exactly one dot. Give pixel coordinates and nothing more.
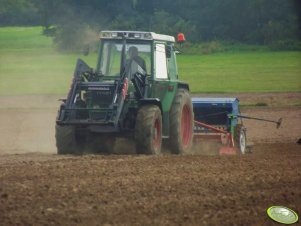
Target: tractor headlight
(147, 36)
(114, 34)
(137, 35)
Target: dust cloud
(27, 125)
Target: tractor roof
(139, 35)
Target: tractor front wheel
(67, 141)
(148, 130)
(181, 123)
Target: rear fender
(182, 85)
(151, 101)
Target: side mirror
(168, 51)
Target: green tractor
(134, 92)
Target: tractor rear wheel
(148, 130)
(181, 123)
(240, 138)
(67, 141)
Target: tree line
(73, 22)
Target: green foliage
(18, 12)
(285, 45)
(203, 48)
(166, 23)
(259, 22)
(213, 47)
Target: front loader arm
(81, 67)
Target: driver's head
(133, 51)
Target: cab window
(160, 62)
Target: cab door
(162, 87)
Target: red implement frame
(226, 140)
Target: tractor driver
(133, 56)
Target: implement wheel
(148, 130)
(68, 141)
(240, 138)
(181, 123)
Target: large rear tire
(181, 123)
(240, 139)
(148, 130)
(67, 141)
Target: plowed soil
(38, 187)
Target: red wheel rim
(186, 130)
(157, 134)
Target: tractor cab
(131, 52)
(113, 62)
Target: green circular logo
(282, 214)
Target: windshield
(110, 57)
